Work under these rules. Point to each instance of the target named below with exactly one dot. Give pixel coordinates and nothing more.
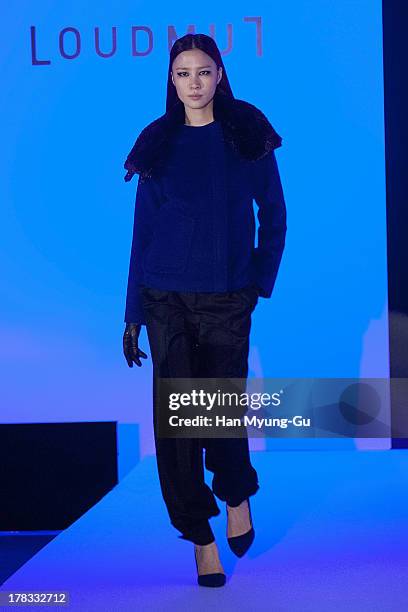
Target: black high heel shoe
(209, 580)
(240, 544)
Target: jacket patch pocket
(171, 242)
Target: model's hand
(131, 349)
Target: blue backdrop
(69, 118)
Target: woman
(195, 275)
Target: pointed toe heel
(211, 580)
(240, 544)
(217, 579)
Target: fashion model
(195, 276)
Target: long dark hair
(209, 46)
(245, 128)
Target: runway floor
(331, 534)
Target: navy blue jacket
(194, 224)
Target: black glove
(131, 349)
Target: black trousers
(200, 335)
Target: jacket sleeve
(146, 204)
(268, 195)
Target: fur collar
(245, 128)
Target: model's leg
(223, 348)
(189, 501)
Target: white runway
(331, 534)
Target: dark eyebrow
(199, 68)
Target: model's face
(195, 72)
